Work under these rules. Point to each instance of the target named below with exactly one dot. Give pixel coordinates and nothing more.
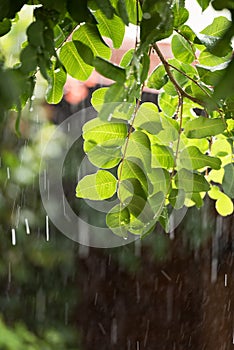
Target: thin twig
(173, 80)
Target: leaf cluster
(153, 160)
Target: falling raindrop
(166, 275)
(27, 226)
(13, 236)
(109, 117)
(100, 325)
(96, 298)
(8, 173)
(47, 229)
(225, 280)
(114, 330)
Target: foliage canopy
(152, 159)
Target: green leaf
(106, 7)
(228, 180)
(160, 179)
(191, 182)
(181, 49)
(225, 86)
(80, 13)
(99, 186)
(158, 78)
(127, 58)
(109, 70)
(177, 198)
(138, 146)
(54, 92)
(145, 65)
(169, 132)
(192, 158)
(102, 157)
(224, 205)
(89, 35)
(129, 169)
(162, 156)
(122, 11)
(5, 26)
(222, 4)
(114, 96)
(98, 97)
(168, 104)
(129, 188)
(28, 57)
(181, 14)
(218, 27)
(204, 3)
(134, 11)
(204, 127)
(107, 27)
(197, 199)
(211, 75)
(157, 21)
(214, 45)
(157, 204)
(74, 64)
(207, 59)
(84, 51)
(141, 210)
(118, 220)
(187, 32)
(164, 220)
(148, 118)
(35, 34)
(107, 134)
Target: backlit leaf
(102, 157)
(74, 64)
(177, 198)
(101, 185)
(191, 182)
(181, 49)
(57, 80)
(162, 156)
(89, 35)
(228, 180)
(204, 127)
(158, 78)
(148, 118)
(107, 27)
(129, 169)
(118, 220)
(108, 134)
(138, 146)
(192, 158)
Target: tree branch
(173, 80)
